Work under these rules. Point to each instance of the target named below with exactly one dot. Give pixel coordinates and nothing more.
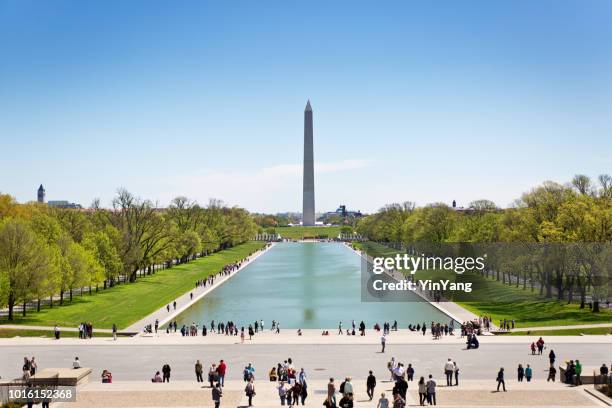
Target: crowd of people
(292, 384)
(85, 330)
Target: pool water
(303, 285)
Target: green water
(303, 285)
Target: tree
(24, 261)
(582, 183)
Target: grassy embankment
(299, 232)
(127, 303)
(8, 333)
(527, 308)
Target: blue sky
(429, 101)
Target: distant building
(41, 194)
(56, 203)
(343, 212)
(64, 204)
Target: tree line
(47, 251)
(537, 224)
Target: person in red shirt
(221, 372)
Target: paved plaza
(191, 394)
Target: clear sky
(424, 101)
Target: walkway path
(185, 301)
(193, 394)
(577, 326)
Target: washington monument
(308, 208)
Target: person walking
(217, 393)
(282, 392)
(552, 357)
(166, 372)
(198, 371)
(370, 385)
(500, 379)
(114, 332)
(249, 390)
(398, 401)
(449, 368)
(422, 391)
(383, 402)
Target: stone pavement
(309, 336)
(189, 394)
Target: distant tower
(308, 208)
(41, 194)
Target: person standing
(528, 373)
(331, 393)
(401, 387)
(302, 377)
(410, 372)
(282, 392)
(578, 370)
(217, 393)
(221, 369)
(166, 372)
(500, 379)
(456, 374)
(56, 331)
(449, 368)
(552, 357)
(370, 385)
(348, 387)
(198, 371)
(250, 391)
(114, 332)
(33, 366)
(520, 373)
(431, 391)
(552, 373)
(383, 342)
(422, 391)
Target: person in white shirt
(449, 369)
(76, 363)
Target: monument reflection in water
(303, 285)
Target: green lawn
(375, 249)
(564, 332)
(8, 333)
(300, 232)
(127, 303)
(500, 301)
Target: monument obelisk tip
(308, 208)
